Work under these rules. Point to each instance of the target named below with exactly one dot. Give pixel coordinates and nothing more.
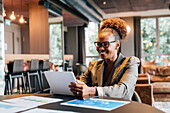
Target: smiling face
(110, 52)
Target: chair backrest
(34, 65)
(70, 63)
(81, 68)
(136, 97)
(145, 92)
(18, 66)
(143, 79)
(46, 65)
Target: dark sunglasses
(104, 44)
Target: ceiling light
(104, 3)
(128, 29)
(12, 17)
(21, 20)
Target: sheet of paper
(38, 110)
(11, 108)
(95, 103)
(32, 101)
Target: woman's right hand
(81, 90)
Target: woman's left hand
(80, 89)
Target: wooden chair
(145, 89)
(143, 79)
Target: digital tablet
(59, 81)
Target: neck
(112, 60)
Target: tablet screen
(59, 81)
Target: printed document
(96, 103)
(11, 108)
(32, 101)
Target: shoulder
(95, 63)
(134, 60)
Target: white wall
(12, 39)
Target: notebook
(59, 81)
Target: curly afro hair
(117, 24)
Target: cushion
(147, 62)
(166, 62)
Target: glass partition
(91, 34)
(1, 50)
(56, 44)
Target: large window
(91, 34)
(56, 43)
(2, 62)
(155, 38)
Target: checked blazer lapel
(99, 73)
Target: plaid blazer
(121, 82)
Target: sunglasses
(103, 44)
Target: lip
(102, 52)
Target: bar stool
(33, 71)
(15, 71)
(6, 90)
(80, 68)
(44, 66)
(70, 65)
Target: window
(2, 60)
(56, 43)
(91, 34)
(155, 38)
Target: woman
(115, 75)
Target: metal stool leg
(18, 85)
(23, 83)
(29, 83)
(5, 91)
(42, 82)
(38, 77)
(10, 81)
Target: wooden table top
(132, 107)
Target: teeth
(102, 52)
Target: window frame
(91, 56)
(157, 39)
